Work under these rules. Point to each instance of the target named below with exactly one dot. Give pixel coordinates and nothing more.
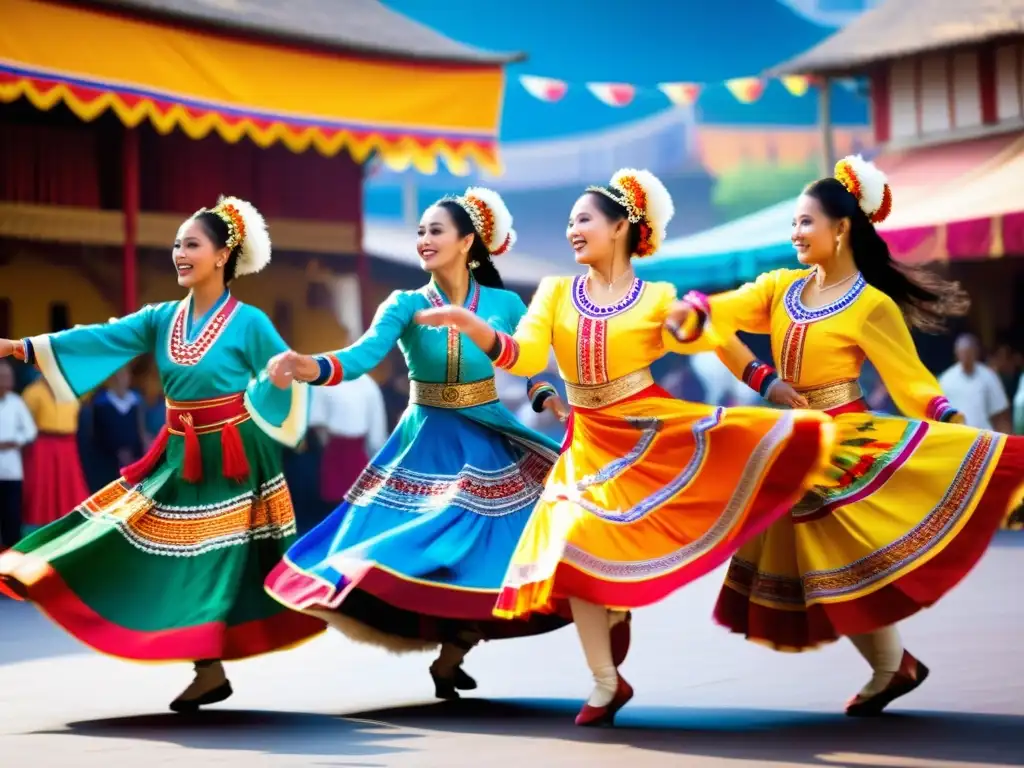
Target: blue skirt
(417, 552)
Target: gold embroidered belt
(453, 395)
(833, 395)
(602, 395)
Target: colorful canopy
(950, 202)
(411, 112)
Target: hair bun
(866, 182)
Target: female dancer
(167, 563)
(415, 556)
(650, 493)
(909, 506)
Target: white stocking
(883, 650)
(592, 625)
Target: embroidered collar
(437, 298)
(800, 313)
(184, 352)
(585, 306)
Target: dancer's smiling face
(594, 228)
(196, 255)
(439, 243)
(814, 233)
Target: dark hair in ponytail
(926, 299)
(615, 211)
(217, 230)
(485, 273)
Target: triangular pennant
(613, 94)
(797, 85)
(680, 94)
(544, 88)
(746, 89)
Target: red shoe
(621, 636)
(909, 676)
(594, 716)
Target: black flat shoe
(217, 695)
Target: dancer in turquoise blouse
(167, 562)
(415, 555)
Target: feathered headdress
(247, 228)
(647, 203)
(868, 184)
(490, 216)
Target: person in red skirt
(54, 480)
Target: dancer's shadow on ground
(903, 740)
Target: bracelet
(939, 409)
(331, 372)
(759, 377)
(701, 311)
(505, 351)
(539, 394)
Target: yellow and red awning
(410, 112)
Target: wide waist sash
(834, 395)
(189, 419)
(602, 395)
(453, 395)
(205, 416)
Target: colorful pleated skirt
(906, 511)
(416, 553)
(652, 493)
(163, 569)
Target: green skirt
(168, 570)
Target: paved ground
(704, 699)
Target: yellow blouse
(50, 416)
(822, 350)
(594, 344)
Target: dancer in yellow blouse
(650, 493)
(910, 505)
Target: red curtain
(49, 165)
(182, 175)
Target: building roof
(899, 28)
(365, 26)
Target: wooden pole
(825, 126)
(130, 205)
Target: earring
(474, 264)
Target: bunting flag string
(746, 90)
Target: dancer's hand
(782, 393)
(6, 348)
(556, 405)
(290, 366)
(445, 317)
(679, 314)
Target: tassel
(192, 467)
(138, 471)
(235, 463)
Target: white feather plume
(502, 217)
(872, 183)
(255, 254)
(660, 208)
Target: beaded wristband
(759, 377)
(331, 373)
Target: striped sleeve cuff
(759, 377)
(939, 409)
(505, 351)
(539, 392)
(331, 371)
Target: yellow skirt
(651, 493)
(908, 509)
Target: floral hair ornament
(490, 216)
(246, 228)
(868, 184)
(647, 203)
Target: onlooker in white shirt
(17, 429)
(352, 424)
(975, 390)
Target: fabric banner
(411, 113)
